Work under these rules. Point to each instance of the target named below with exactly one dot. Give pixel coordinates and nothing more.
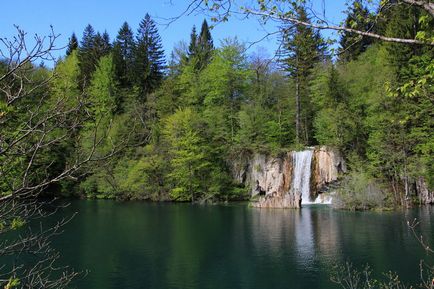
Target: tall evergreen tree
(149, 57)
(403, 21)
(123, 49)
(101, 45)
(72, 45)
(302, 47)
(400, 142)
(192, 48)
(106, 43)
(86, 55)
(205, 45)
(352, 45)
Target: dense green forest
(171, 126)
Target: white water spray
(301, 174)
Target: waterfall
(301, 174)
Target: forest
(131, 123)
(88, 128)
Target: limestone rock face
(425, 195)
(269, 175)
(270, 178)
(328, 164)
(279, 200)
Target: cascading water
(301, 174)
(286, 181)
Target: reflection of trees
(319, 238)
(305, 231)
(136, 245)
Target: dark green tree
(404, 21)
(205, 46)
(72, 45)
(101, 45)
(149, 61)
(399, 143)
(92, 47)
(352, 45)
(192, 48)
(302, 48)
(123, 49)
(86, 55)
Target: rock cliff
(425, 195)
(295, 178)
(269, 178)
(328, 165)
(290, 179)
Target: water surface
(149, 245)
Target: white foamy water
(302, 162)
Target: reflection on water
(309, 233)
(140, 245)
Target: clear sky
(73, 15)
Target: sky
(72, 16)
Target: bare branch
(288, 19)
(271, 10)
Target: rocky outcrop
(279, 181)
(270, 179)
(328, 165)
(270, 175)
(425, 195)
(279, 200)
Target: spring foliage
(178, 126)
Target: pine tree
(101, 45)
(302, 48)
(106, 44)
(85, 55)
(123, 49)
(192, 48)
(72, 45)
(148, 57)
(402, 21)
(352, 45)
(92, 47)
(400, 138)
(205, 46)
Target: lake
(156, 245)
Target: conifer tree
(302, 47)
(106, 43)
(85, 55)
(352, 45)
(149, 57)
(192, 48)
(205, 45)
(402, 21)
(72, 45)
(101, 45)
(123, 49)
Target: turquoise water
(148, 245)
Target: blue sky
(72, 16)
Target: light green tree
(189, 166)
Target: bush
(360, 191)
